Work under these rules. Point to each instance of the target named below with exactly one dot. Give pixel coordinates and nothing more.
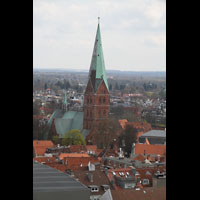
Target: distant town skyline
(133, 34)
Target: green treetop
(73, 137)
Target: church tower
(64, 106)
(96, 98)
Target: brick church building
(97, 98)
(93, 121)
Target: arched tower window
(104, 113)
(104, 100)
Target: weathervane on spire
(98, 20)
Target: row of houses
(102, 174)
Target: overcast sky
(133, 33)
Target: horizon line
(37, 68)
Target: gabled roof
(79, 163)
(150, 149)
(149, 194)
(73, 155)
(66, 121)
(91, 148)
(123, 122)
(139, 157)
(138, 125)
(40, 146)
(77, 148)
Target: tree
(36, 107)
(60, 84)
(39, 129)
(45, 86)
(122, 87)
(66, 84)
(55, 139)
(73, 137)
(129, 136)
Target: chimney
(132, 150)
(90, 177)
(106, 171)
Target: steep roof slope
(40, 146)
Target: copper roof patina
(97, 63)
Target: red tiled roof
(76, 163)
(150, 149)
(138, 125)
(45, 159)
(98, 151)
(140, 158)
(91, 148)
(123, 122)
(139, 134)
(77, 148)
(99, 177)
(149, 194)
(40, 146)
(57, 166)
(73, 155)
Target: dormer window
(94, 188)
(145, 181)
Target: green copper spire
(97, 64)
(65, 99)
